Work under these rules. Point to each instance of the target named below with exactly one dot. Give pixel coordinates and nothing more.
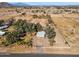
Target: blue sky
(49, 3)
(54, 3)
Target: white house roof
(40, 34)
(2, 33)
(2, 27)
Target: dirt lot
(68, 27)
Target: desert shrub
(49, 19)
(23, 14)
(18, 11)
(35, 16)
(11, 37)
(40, 16)
(28, 43)
(1, 22)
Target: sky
(49, 3)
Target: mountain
(44, 3)
(5, 4)
(19, 4)
(25, 4)
(13, 4)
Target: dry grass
(68, 27)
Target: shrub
(38, 27)
(1, 22)
(11, 37)
(23, 14)
(35, 16)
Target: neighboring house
(2, 33)
(6, 24)
(40, 34)
(4, 27)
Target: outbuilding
(40, 34)
(2, 33)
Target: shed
(40, 34)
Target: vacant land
(68, 27)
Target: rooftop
(40, 34)
(2, 33)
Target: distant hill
(5, 4)
(24, 4)
(19, 4)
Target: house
(6, 24)
(2, 33)
(4, 27)
(40, 34)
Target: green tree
(39, 27)
(50, 33)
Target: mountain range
(5, 4)
(24, 4)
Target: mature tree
(38, 27)
(50, 33)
